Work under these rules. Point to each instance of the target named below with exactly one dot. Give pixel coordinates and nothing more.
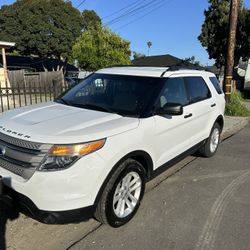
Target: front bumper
(23, 204)
(69, 189)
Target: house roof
(157, 61)
(35, 63)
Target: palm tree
(149, 46)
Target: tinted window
(216, 84)
(197, 89)
(125, 95)
(174, 91)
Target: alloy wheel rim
(214, 140)
(127, 194)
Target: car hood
(56, 123)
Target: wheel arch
(141, 156)
(220, 121)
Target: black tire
(206, 150)
(105, 212)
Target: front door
(171, 131)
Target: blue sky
(172, 28)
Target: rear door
(200, 110)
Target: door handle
(187, 116)
(213, 105)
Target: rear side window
(197, 89)
(216, 84)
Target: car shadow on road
(6, 213)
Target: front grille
(11, 167)
(21, 157)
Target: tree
(90, 20)
(100, 47)
(149, 46)
(43, 28)
(215, 28)
(191, 61)
(138, 55)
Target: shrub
(236, 106)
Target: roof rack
(168, 67)
(134, 66)
(182, 67)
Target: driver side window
(174, 91)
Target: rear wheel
(122, 195)
(212, 143)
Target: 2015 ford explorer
(91, 151)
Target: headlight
(63, 156)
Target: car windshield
(124, 95)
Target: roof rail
(133, 66)
(182, 67)
(168, 67)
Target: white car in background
(245, 73)
(91, 151)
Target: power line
(139, 9)
(124, 8)
(139, 18)
(80, 4)
(133, 10)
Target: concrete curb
(233, 125)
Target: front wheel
(211, 145)
(122, 195)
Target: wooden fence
(20, 78)
(30, 88)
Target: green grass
(236, 106)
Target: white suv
(91, 151)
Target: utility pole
(231, 46)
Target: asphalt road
(205, 205)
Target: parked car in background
(73, 78)
(71, 81)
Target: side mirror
(170, 109)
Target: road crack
(85, 236)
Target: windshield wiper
(92, 106)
